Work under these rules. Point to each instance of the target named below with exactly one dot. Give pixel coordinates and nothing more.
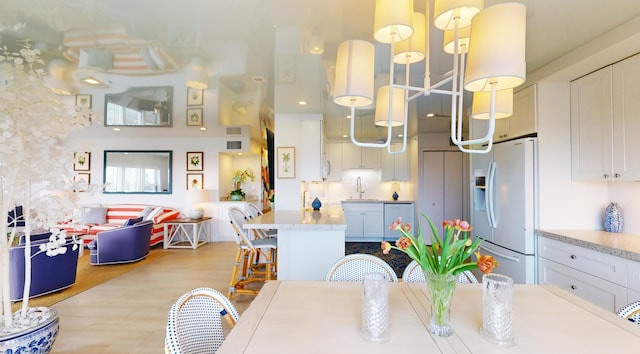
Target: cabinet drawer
(633, 275)
(601, 292)
(598, 264)
(363, 207)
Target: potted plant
(238, 178)
(34, 162)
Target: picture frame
(195, 181)
(82, 161)
(195, 97)
(81, 182)
(195, 161)
(83, 100)
(286, 162)
(194, 117)
(286, 69)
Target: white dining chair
(354, 266)
(195, 322)
(631, 312)
(413, 273)
(252, 256)
(252, 212)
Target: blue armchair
(48, 274)
(122, 245)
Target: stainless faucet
(359, 187)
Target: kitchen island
(309, 242)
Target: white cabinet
(597, 277)
(310, 157)
(394, 210)
(394, 167)
(522, 122)
(356, 157)
(604, 124)
(364, 221)
(334, 161)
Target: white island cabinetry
(364, 220)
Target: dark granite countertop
(618, 244)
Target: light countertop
(618, 244)
(376, 201)
(327, 218)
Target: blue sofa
(122, 245)
(48, 274)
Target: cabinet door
(334, 161)
(605, 294)
(626, 124)
(591, 128)
(523, 120)
(502, 129)
(371, 158)
(354, 223)
(351, 156)
(373, 225)
(310, 167)
(394, 167)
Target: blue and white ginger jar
(613, 218)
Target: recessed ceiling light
(93, 82)
(302, 102)
(429, 115)
(116, 129)
(349, 117)
(203, 128)
(345, 136)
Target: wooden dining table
(325, 317)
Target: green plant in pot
(35, 167)
(239, 177)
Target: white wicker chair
(631, 312)
(414, 274)
(252, 212)
(251, 257)
(354, 266)
(194, 323)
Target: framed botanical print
(286, 162)
(194, 161)
(82, 161)
(83, 100)
(81, 182)
(195, 97)
(286, 69)
(194, 116)
(195, 181)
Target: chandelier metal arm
(362, 144)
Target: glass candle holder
(497, 304)
(375, 308)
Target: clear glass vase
(441, 287)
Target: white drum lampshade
(412, 50)
(480, 108)
(196, 197)
(444, 12)
(392, 20)
(497, 48)
(382, 107)
(354, 74)
(448, 43)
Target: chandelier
(488, 48)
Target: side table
(187, 233)
(78, 239)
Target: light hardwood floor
(128, 314)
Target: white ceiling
(554, 28)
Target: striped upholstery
(117, 214)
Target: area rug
(396, 259)
(88, 276)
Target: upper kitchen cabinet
(604, 123)
(356, 157)
(522, 122)
(334, 161)
(311, 157)
(394, 167)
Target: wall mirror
(139, 107)
(137, 172)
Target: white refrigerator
(504, 206)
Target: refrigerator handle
(510, 258)
(491, 195)
(487, 202)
